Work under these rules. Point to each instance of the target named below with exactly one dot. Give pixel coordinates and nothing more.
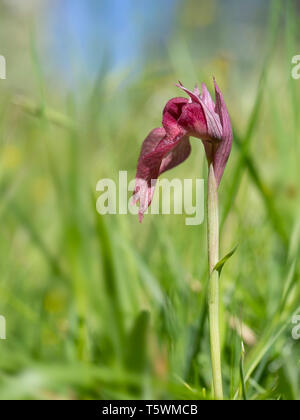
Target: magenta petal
(193, 95)
(197, 90)
(177, 155)
(207, 99)
(143, 175)
(193, 120)
(159, 153)
(214, 127)
(171, 113)
(223, 151)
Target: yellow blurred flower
(54, 301)
(40, 189)
(10, 156)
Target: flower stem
(214, 299)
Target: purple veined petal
(214, 126)
(143, 193)
(171, 113)
(212, 118)
(177, 155)
(152, 140)
(193, 120)
(197, 90)
(159, 153)
(179, 114)
(143, 181)
(192, 95)
(224, 149)
(207, 99)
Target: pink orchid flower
(168, 146)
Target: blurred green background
(101, 306)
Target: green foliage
(219, 266)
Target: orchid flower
(168, 146)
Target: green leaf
(219, 266)
(242, 374)
(136, 359)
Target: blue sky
(85, 31)
(84, 35)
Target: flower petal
(159, 153)
(223, 151)
(193, 120)
(177, 155)
(143, 176)
(207, 99)
(197, 90)
(192, 95)
(171, 113)
(214, 126)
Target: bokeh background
(101, 306)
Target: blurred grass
(103, 307)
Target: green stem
(213, 256)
